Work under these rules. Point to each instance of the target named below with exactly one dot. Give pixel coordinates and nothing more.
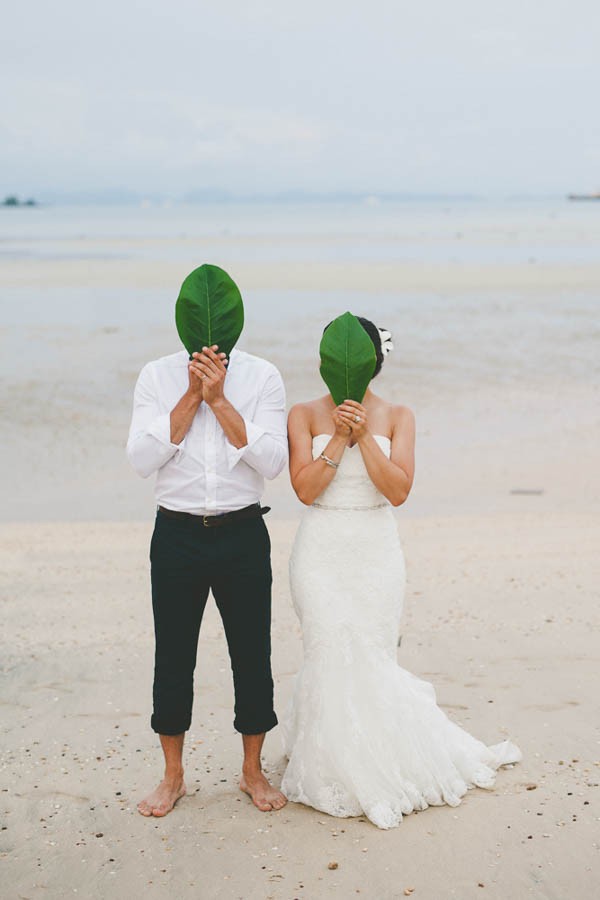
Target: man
(212, 429)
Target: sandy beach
(500, 616)
(496, 350)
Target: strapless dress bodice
(351, 488)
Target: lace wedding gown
(363, 735)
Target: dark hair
(373, 332)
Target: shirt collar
(234, 358)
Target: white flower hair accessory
(387, 344)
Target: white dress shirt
(205, 474)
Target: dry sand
(500, 615)
(323, 275)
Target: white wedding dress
(364, 736)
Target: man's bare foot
(163, 799)
(263, 795)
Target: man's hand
(195, 390)
(208, 369)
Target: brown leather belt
(248, 512)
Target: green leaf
(209, 310)
(348, 359)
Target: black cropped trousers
(234, 561)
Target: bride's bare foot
(163, 799)
(263, 795)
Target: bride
(363, 735)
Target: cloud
(138, 133)
(322, 95)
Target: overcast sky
(314, 95)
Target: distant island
(593, 196)
(13, 200)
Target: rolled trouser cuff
(255, 725)
(170, 725)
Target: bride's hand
(354, 415)
(341, 428)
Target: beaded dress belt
(248, 512)
(378, 506)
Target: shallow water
(487, 370)
(434, 231)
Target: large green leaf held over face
(209, 310)
(348, 359)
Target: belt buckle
(205, 521)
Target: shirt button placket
(210, 455)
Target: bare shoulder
(403, 418)
(305, 412)
(300, 412)
(402, 413)
(300, 419)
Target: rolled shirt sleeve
(149, 444)
(266, 449)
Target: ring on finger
(357, 418)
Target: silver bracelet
(329, 462)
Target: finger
(354, 410)
(351, 404)
(221, 364)
(210, 364)
(214, 348)
(202, 371)
(339, 423)
(217, 358)
(221, 357)
(220, 361)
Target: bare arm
(231, 422)
(393, 477)
(182, 415)
(310, 476)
